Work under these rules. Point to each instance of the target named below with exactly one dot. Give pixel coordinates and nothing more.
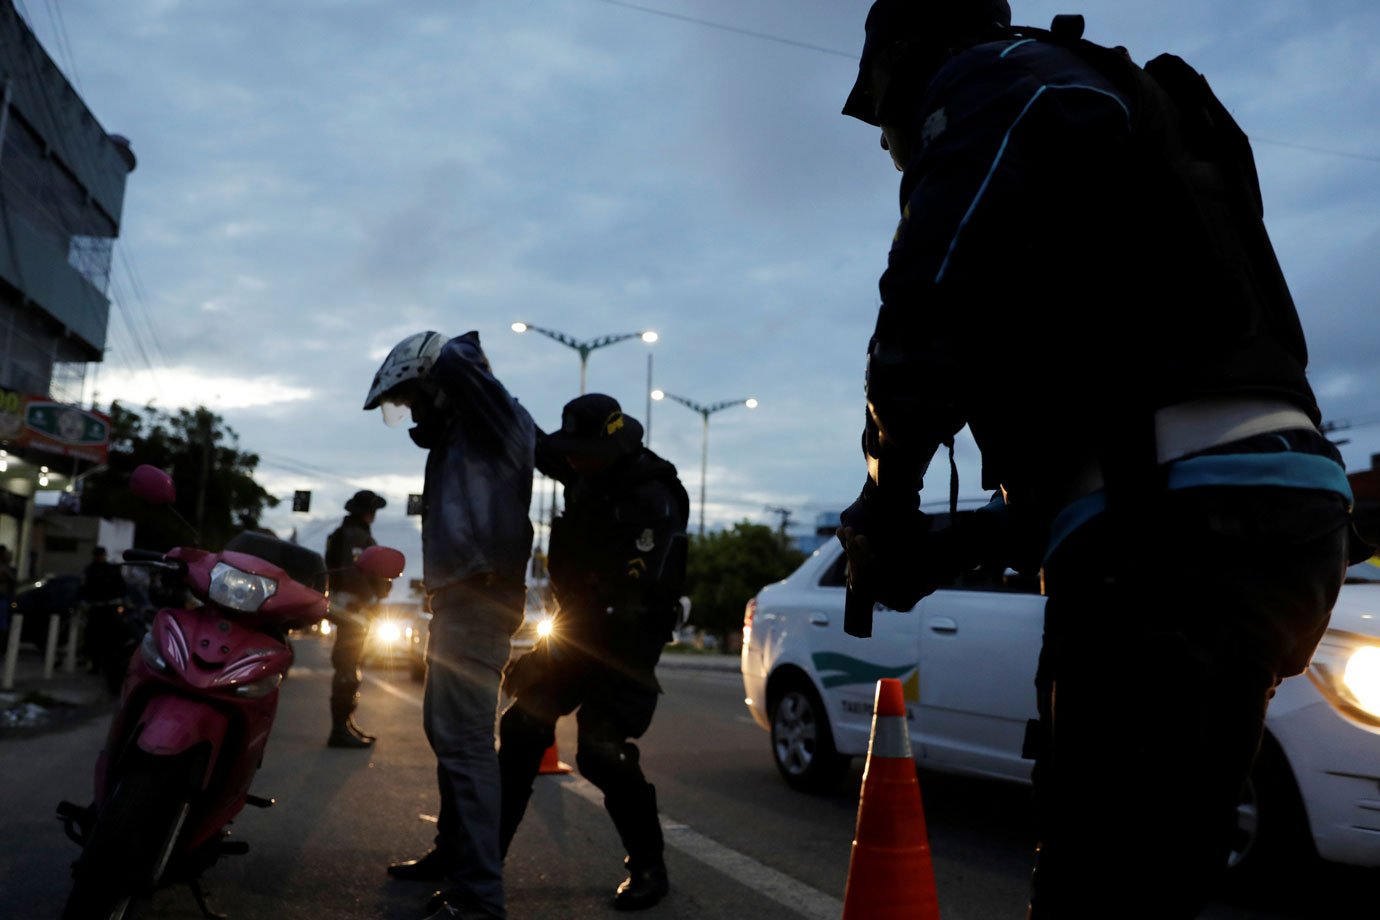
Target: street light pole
(585, 347)
(705, 412)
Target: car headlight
(387, 632)
(239, 590)
(1346, 668)
(258, 688)
(544, 627)
(152, 657)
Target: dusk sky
(318, 179)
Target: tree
(726, 569)
(216, 490)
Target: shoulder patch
(646, 543)
(934, 126)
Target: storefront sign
(39, 423)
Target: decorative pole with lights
(705, 412)
(585, 347)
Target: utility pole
(204, 417)
(785, 519)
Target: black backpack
(1203, 164)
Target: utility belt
(1193, 427)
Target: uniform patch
(646, 543)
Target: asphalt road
(740, 843)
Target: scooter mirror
(381, 562)
(152, 485)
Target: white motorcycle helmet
(410, 359)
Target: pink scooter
(195, 713)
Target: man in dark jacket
(103, 589)
(1082, 277)
(617, 564)
(476, 543)
(353, 596)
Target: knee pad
(608, 763)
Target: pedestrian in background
(617, 566)
(9, 582)
(354, 597)
(476, 543)
(103, 596)
(1082, 277)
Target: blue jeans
(471, 629)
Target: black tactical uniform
(353, 595)
(617, 564)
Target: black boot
(435, 866)
(358, 732)
(342, 706)
(644, 886)
(341, 737)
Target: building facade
(62, 186)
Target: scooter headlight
(148, 649)
(259, 688)
(239, 590)
(1346, 668)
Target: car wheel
(801, 743)
(1271, 825)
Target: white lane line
(759, 877)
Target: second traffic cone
(551, 762)
(890, 873)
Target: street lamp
(705, 412)
(584, 348)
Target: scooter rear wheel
(134, 834)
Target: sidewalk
(36, 704)
(700, 661)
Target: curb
(722, 663)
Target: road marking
(757, 876)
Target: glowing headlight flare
(1346, 669)
(388, 631)
(325, 627)
(544, 628)
(237, 590)
(1362, 678)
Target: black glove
(896, 557)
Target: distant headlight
(325, 627)
(1346, 668)
(387, 631)
(239, 590)
(544, 628)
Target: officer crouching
(617, 566)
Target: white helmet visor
(395, 413)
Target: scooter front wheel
(134, 835)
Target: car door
(979, 642)
(848, 668)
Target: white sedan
(1316, 785)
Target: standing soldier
(353, 596)
(617, 565)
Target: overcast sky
(319, 179)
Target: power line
(853, 56)
(764, 36)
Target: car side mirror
(152, 485)
(381, 562)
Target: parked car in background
(39, 599)
(966, 657)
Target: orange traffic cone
(551, 762)
(890, 874)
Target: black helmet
(594, 425)
(936, 24)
